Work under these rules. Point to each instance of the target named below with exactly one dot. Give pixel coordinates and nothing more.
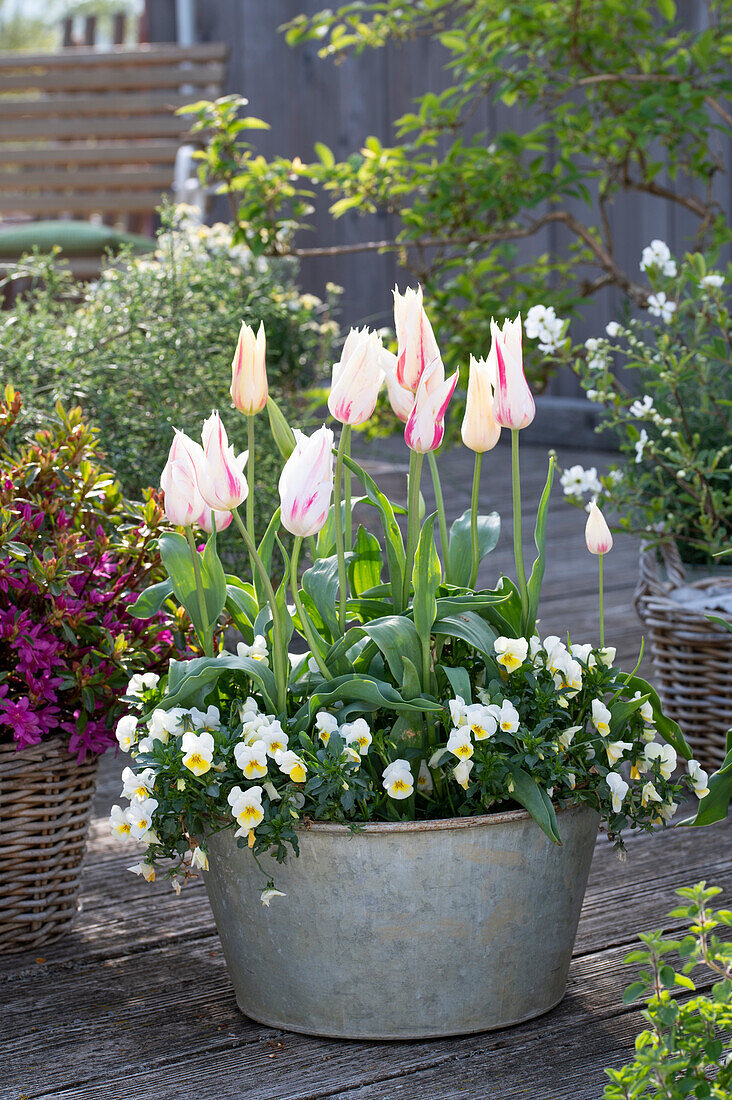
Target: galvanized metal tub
(405, 931)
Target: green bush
(685, 1051)
(149, 346)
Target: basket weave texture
(692, 656)
(45, 803)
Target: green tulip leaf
(149, 602)
(460, 545)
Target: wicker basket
(692, 656)
(45, 802)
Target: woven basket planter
(692, 656)
(45, 803)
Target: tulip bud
(306, 483)
(248, 371)
(514, 405)
(180, 481)
(480, 431)
(426, 425)
(597, 533)
(357, 378)
(417, 346)
(223, 484)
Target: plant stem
(518, 546)
(338, 516)
(279, 656)
(304, 620)
(206, 628)
(602, 606)
(347, 488)
(250, 483)
(437, 486)
(474, 520)
(415, 475)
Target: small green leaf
(633, 992)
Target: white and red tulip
(180, 481)
(513, 405)
(426, 424)
(306, 483)
(357, 378)
(480, 431)
(597, 533)
(417, 346)
(223, 484)
(249, 388)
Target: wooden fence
(306, 99)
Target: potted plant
(71, 554)
(669, 407)
(386, 820)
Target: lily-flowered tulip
(513, 405)
(618, 790)
(357, 378)
(397, 779)
(597, 533)
(400, 398)
(426, 425)
(248, 371)
(306, 483)
(180, 481)
(416, 343)
(479, 430)
(222, 483)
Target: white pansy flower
(206, 719)
(137, 786)
(251, 760)
(462, 771)
(481, 720)
(275, 739)
(571, 780)
(119, 825)
(126, 732)
(266, 896)
(424, 779)
(601, 717)
(698, 778)
(511, 652)
(616, 750)
(458, 710)
(198, 750)
(397, 779)
(556, 652)
(661, 306)
(606, 656)
(645, 710)
(618, 790)
(459, 743)
(199, 858)
(583, 653)
(566, 737)
(668, 809)
(140, 815)
(712, 281)
(163, 723)
(664, 754)
(649, 794)
(325, 725)
(142, 682)
(257, 651)
(246, 807)
(357, 733)
(507, 716)
(438, 756)
(249, 709)
(292, 765)
(568, 674)
(534, 646)
(145, 869)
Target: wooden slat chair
(92, 135)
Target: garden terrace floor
(136, 1004)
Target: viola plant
(420, 695)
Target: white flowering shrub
(525, 723)
(663, 385)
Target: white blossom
(712, 281)
(657, 255)
(640, 445)
(661, 306)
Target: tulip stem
(250, 483)
(279, 655)
(347, 488)
(206, 629)
(415, 476)
(518, 546)
(602, 604)
(338, 516)
(302, 614)
(439, 500)
(475, 547)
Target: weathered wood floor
(136, 1003)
